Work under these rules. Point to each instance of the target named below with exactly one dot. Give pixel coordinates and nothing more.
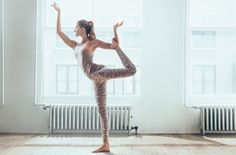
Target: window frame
(45, 100)
(197, 101)
(2, 45)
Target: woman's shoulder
(91, 42)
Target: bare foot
(114, 44)
(104, 148)
(115, 31)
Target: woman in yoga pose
(98, 73)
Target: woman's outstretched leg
(106, 74)
(100, 92)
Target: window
(59, 78)
(2, 52)
(211, 52)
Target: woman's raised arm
(63, 36)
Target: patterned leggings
(99, 78)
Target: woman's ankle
(106, 143)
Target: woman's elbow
(59, 32)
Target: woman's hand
(56, 7)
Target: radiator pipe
(136, 129)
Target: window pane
(197, 81)
(130, 12)
(203, 39)
(61, 87)
(73, 73)
(73, 87)
(72, 12)
(212, 13)
(59, 41)
(209, 79)
(128, 84)
(85, 85)
(61, 73)
(110, 87)
(138, 81)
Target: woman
(99, 74)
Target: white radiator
(69, 118)
(218, 119)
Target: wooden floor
(134, 145)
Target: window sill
(210, 100)
(197, 50)
(114, 100)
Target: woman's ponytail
(91, 34)
(89, 28)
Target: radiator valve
(136, 129)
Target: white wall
(163, 69)
(19, 114)
(162, 109)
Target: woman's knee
(132, 69)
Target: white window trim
(2, 52)
(40, 101)
(197, 101)
(38, 56)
